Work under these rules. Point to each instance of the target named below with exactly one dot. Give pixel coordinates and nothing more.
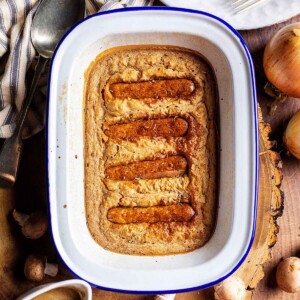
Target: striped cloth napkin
(17, 56)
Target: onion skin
(281, 60)
(291, 138)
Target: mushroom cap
(34, 268)
(232, 288)
(288, 275)
(35, 226)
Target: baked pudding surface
(150, 150)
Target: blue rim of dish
(254, 98)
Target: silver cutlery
(51, 21)
(242, 5)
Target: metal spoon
(51, 21)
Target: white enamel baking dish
(234, 233)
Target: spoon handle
(12, 148)
(40, 67)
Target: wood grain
(288, 238)
(30, 194)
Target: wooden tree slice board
(30, 194)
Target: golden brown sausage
(157, 89)
(153, 214)
(174, 127)
(167, 167)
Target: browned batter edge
(150, 150)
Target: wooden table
(288, 243)
(30, 194)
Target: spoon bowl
(52, 20)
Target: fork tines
(242, 5)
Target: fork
(242, 5)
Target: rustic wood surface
(288, 238)
(30, 194)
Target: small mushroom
(232, 288)
(288, 275)
(36, 267)
(165, 297)
(34, 225)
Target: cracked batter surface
(150, 150)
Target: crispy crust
(197, 186)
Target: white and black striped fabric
(17, 56)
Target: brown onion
(281, 60)
(291, 136)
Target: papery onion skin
(291, 136)
(281, 60)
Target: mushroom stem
(165, 297)
(19, 217)
(51, 269)
(36, 267)
(34, 225)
